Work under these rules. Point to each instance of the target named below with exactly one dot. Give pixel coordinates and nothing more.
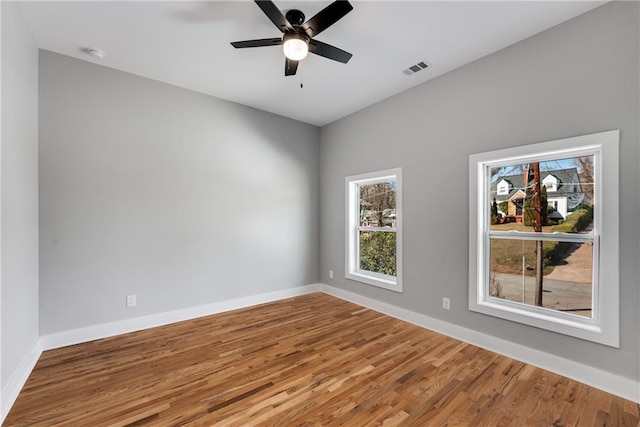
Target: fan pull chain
(300, 74)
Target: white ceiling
(188, 44)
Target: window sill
(381, 281)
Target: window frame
(353, 229)
(603, 326)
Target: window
(503, 188)
(374, 229)
(542, 267)
(551, 182)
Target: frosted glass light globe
(295, 48)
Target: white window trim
(352, 270)
(603, 328)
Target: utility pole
(537, 227)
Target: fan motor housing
(295, 17)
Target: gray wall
(577, 78)
(174, 196)
(19, 231)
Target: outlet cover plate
(131, 301)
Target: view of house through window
(544, 222)
(541, 233)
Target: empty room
(320, 213)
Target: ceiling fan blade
(274, 14)
(290, 67)
(328, 51)
(326, 17)
(257, 43)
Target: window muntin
(578, 246)
(373, 229)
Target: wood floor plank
(312, 360)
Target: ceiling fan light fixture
(295, 46)
(298, 35)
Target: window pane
(378, 252)
(378, 204)
(567, 270)
(548, 196)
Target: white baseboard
(18, 379)
(589, 375)
(90, 333)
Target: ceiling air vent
(415, 68)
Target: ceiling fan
(298, 35)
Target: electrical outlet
(131, 300)
(330, 274)
(446, 303)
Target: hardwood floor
(312, 360)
